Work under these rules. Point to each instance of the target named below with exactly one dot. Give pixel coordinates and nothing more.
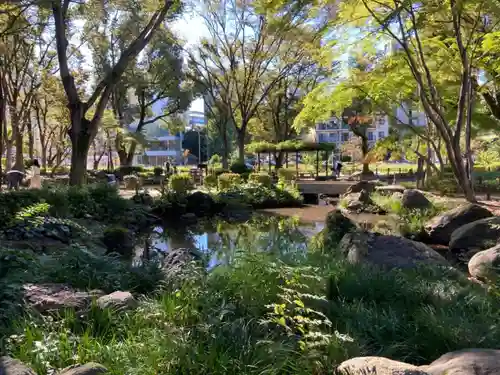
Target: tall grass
(260, 315)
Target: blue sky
(191, 28)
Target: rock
(485, 265)
(199, 203)
(57, 297)
(356, 201)
(377, 366)
(118, 301)
(11, 366)
(131, 182)
(337, 225)
(478, 235)
(87, 369)
(176, 260)
(415, 200)
(388, 251)
(390, 189)
(440, 227)
(143, 198)
(368, 186)
(466, 362)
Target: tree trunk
(18, 138)
(80, 144)
(364, 150)
(31, 140)
(241, 146)
(44, 157)
(225, 148)
(278, 158)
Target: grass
(409, 222)
(247, 318)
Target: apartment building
(336, 131)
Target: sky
(190, 28)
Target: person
(338, 168)
(167, 167)
(36, 179)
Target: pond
(218, 240)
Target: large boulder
(476, 236)
(11, 366)
(387, 251)
(377, 366)
(356, 201)
(337, 225)
(485, 265)
(87, 369)
(415, 200)
(118, 301)
(440, 227)
(466, 362)
(368, 186)
(199, 203)
(58, 297)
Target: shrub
(239, 167)
(261, 178)
(210, 181)
(287, 175)
(118, 240)
(215, 159)
(346, 159)
(128, 170)
(158, 171)
(219, 171)
(181, 183)
(228, 180)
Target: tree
(83, 130)
(242, 47)
(275, 117)
(401, 24)
(159, 82)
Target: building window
(371, 136)
(381, 135)
(345, 137)
(322, 138)
(334, 137)
(381, 120)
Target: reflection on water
(219, 240)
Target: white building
(336, 131)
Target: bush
(219, 171)
(215, 159)
(259, 196)
(346, 159)
(210, 181)
(261, 178)
(158, 171)
(100, 201)
(128, 170)
(181, 183)
(239, 167)
(228, 180)
(118, 240)
(286, 175)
